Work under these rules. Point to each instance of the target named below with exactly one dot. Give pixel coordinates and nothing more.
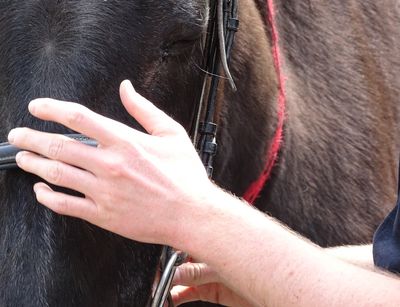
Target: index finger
(78, 118)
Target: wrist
(205, 218)
(192, 214)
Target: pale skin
(252, 260)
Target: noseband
(222, 26)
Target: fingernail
(35, 188)
(32, 106)
(130, 85)
(39, 186)
(11, 136)
(18, 157)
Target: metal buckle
(170, 260)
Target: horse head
(80, 51)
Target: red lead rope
(254, 190)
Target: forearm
(274, 267)
(360, 255)
(254, 255)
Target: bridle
(222, 26)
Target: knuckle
(60, 205)
(55, 148)
(54, 173)
(103, 216)
(124, 144)
(179, 130)
(76, 117)
(115, 167)
(196, 272)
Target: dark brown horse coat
(334, 180)
(337, 172)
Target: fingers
(198, 282)
(213, 292)
(55, 147)
(193, 274)
(206, 293)
(106, 131)
(57, 173)
(78, 118)
(181, 295)
(152, 119)
(65, 204)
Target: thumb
(151, 118)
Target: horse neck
(340, 142)
(341, 147)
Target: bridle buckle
(170, 260)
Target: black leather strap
(8, 152)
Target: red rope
(254, 190)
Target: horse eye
(180, 47)
(182, 39)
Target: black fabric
(386, 242)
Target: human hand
(198, 281)
(134, 183)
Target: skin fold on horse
(336, 174)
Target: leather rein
(218, 43)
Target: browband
(8, 152)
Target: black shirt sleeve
(386, 242)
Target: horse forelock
(80, 50)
